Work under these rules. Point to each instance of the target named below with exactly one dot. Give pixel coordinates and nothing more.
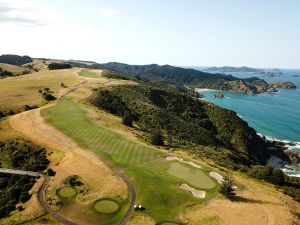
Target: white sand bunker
(195, 192)
(169, 158)
(219, 178)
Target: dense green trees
(15, 59)
(58, 66)
(267, 173)
(157, 137)
(127, 119)
(23, 155)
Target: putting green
(191, 175)
(66, 192)
(106, 206)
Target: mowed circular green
(106, 206)
(191, 175)
(66, 192)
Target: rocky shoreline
(283, 154)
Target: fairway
(106, 206)
(193, 176)
(91, 73)
(146, 167)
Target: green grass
(191, 175)
(66, 192)
(89, 73)
(146, 167)
(106, 206)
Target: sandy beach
(204, 89)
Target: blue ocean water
(273, 115)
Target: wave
(289, 170)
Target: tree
(227, 186)
(157, 138)
(50, 172)
(127, 119)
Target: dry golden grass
(16, 70)
(258, 204)
(141, 219)
(15, 92)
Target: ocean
(275, 116)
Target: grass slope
(157, 189)
(90, 73)
(15, 92)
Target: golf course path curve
(43, 203)
(131, 188)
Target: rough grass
(157, 189)
(16, 70)
(15, 92)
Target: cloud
(19, 14)
(108, 12)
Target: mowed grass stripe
(147, 167)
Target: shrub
(226, 188)
(48, 96)
(51, 172)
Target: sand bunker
(219, 178)
(170, 158)
(195, 192)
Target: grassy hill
(185, 122)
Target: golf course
(145, 166)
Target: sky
(256, 33)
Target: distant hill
(190, 77)
(232, 69)
(15, 59)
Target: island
(232, 69)
(287, 85)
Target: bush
(51, 172)
(48, 97)
(226, 188)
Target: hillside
(15, 59)
(190, 77)
(186, 122)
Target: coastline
(204, 89)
